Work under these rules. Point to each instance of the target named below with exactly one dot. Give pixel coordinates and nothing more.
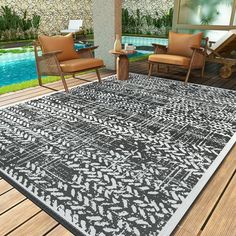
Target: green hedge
(135, 22)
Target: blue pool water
(17, 68)
(143, 41)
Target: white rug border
(184, 207)
(45, 204)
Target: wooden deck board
(40, 224)
(17, 216)
(21, 217)
(223, 218)
(59, 230)
(4, 187)
(10, 199)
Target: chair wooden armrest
(86, 52)
(159, 48)
(159, 45)
(198, 49)
(87, 49)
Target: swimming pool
(143, 41)
(17, 68)
(20, 67)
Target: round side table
(122, 63)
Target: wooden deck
(213, 213)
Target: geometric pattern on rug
(117, 157)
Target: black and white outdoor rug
(120, 157)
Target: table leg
(122, 67)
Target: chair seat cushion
(75, 65)
(170, 59)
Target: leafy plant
(167, 20)
(13, 26)
(157, 22)
(134, 22)
(35, 21)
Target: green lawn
(27, 84)
(33, 83)
(139, 58)
(16, 50)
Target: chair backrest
(75, 24)
(59, 43)
(180, 44)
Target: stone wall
(55, 14)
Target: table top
(122, 52)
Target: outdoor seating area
(118, 118)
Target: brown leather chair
(59, 58)
(184, 50)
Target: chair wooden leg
(190, 67)
(74, 76)
(150, 70)
(98, 75)
(64, 83)
(40, 80)
(202, 72)
(188, 74)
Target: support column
(107, 23)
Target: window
(201, 12)
(214, 17)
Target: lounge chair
(74, 27)
(221, 52)
(59, 58)
(184, 50)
